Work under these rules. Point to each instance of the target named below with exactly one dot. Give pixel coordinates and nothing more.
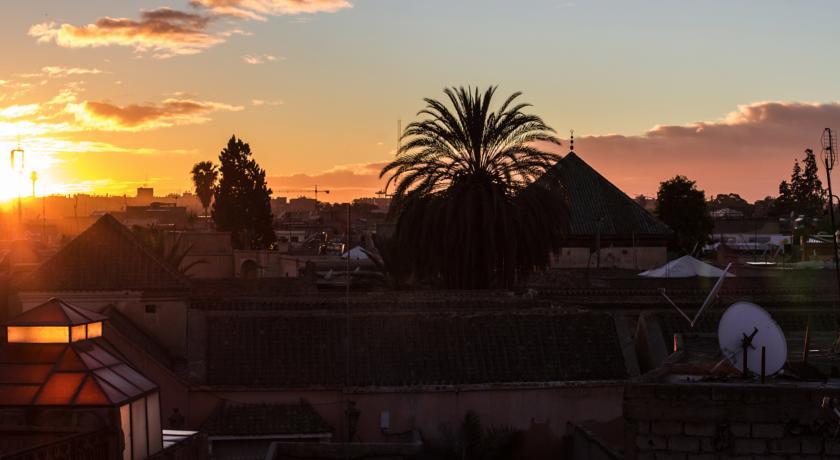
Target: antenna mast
(829, 154)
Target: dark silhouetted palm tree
(204, 176)
(470, 211)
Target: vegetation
(683, 208)
(804, 194)
(204, 176)
(468, 210)
(243, 200)
(731, 201)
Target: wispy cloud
(259, 9)
(263, 102)
(255, 59)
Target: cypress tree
(243, 200)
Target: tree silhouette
(683, 207)
(243, 200)
(804, 193)
(204, 176)
(468, 209)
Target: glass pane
(118, 382)
(94, 330)
(60, 388)
(125, 424)
(112, 393)
(38, 334)
(71, 361)
(153, 414)
(78, 333)
(134, 377)
(17, 395)
(91, 395)
(103, 356)
(138, 425)
(24, 373)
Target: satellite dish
(744, 330)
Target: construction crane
(313, 190)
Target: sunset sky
(107, 95)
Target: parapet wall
(699, 421)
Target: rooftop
(413, 348)
(598, 206)
(55, 312)
(54, 355)
(105, 257)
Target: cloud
(262, 102)
(255, 59)
(259, 9)
(19, 111)
(163, 32)
(137, 117)
(57, 71)
(748, 151)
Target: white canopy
(685, 267)
(357, 253)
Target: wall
(212, 249)
(271, 264)
(724, 420)
(638, 258)
(597, 405)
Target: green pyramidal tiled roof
(598, 206)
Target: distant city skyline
(108, 96)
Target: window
(78, 332)
(38, 334)
(94, 330)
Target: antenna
(751, 340)
(829, 154)
(829, 147)
(571, 140)
(713, 295)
